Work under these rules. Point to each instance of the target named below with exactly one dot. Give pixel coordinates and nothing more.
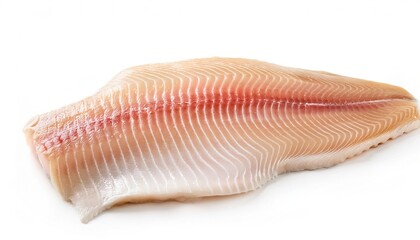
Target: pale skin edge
(305, 163)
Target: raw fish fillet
(210, 127)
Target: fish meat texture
(209, 127)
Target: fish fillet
(208, 127)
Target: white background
(56, 52)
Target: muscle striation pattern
(208, 127)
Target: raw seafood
(209, 127)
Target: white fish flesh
(210, 127)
